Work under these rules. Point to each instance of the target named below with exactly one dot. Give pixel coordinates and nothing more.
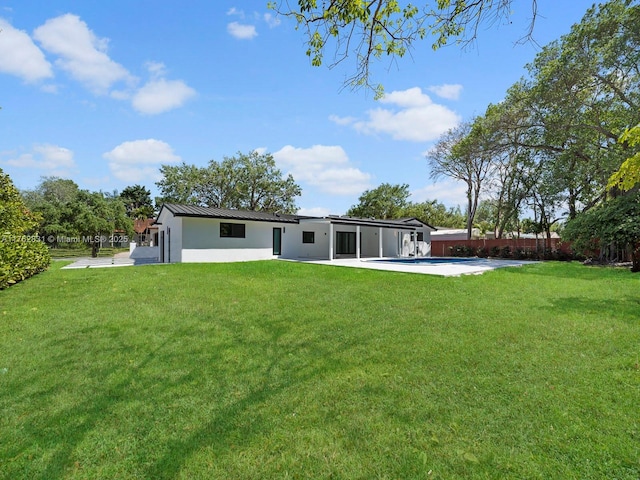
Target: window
(345, 243)
(233, 230)
(420, 236)
(308, 237)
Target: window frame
(236, 230)
(306, 239)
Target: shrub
(482, 252)
(494, 252)
(22, 254)
(505, 252)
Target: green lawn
(285, 370)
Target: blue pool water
(429, 260)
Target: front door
(277, 241)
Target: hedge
(22, 254)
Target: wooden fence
(443, 248)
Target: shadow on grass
(625, 308)
(574, 271)
(60, 435)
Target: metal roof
(207, 212)
(411, 223)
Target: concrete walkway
(118, 260)
(455, 268)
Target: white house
(200, 234)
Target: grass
(284, 370)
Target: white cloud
(139, 160)
(242, 32)
(51, 159)
(326, 167)
(412, 116)
(156, 69)
(235, 11)
(19, 56)
(343, 121)
(271, 20)
(449, 192)
(447, 90)
(314, 212)
(81, 53)
(158, 96)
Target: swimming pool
(431, 260)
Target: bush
(494, 252)
(505, 252)
(482, 252)
(22, 254)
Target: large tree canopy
(247, 181)
(610, 228)
(391, 201)
(555, 139)
(385, 201)
(370, 29)
(66, 211)
(461, 155)
(137, 201)
(628, 175)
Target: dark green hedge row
(22, 254)
(20, 260)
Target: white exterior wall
(172, 228)
(370, 244)
(292, 246)
(426, 246)
(390, 242)
(202, 241)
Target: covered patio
(371, 238)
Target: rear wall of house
(292, 246)
(202, 241)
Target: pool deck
(454, 269)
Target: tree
(247, 181)
(385, 201)
(610, 227)
(460, 154)
(52, 199)
(367, 30)
(22, 253)
(628, 175)
(65, 212)
(434, 213)
(137, 201)
(178, 184)
(97, 217)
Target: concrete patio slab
(454, 268)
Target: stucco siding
(202, 241)
(292, 246)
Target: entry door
(277, 241)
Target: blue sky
(105, 92)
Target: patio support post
(380, 252)
(415, 244)
(358, 242)
(330, 241)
